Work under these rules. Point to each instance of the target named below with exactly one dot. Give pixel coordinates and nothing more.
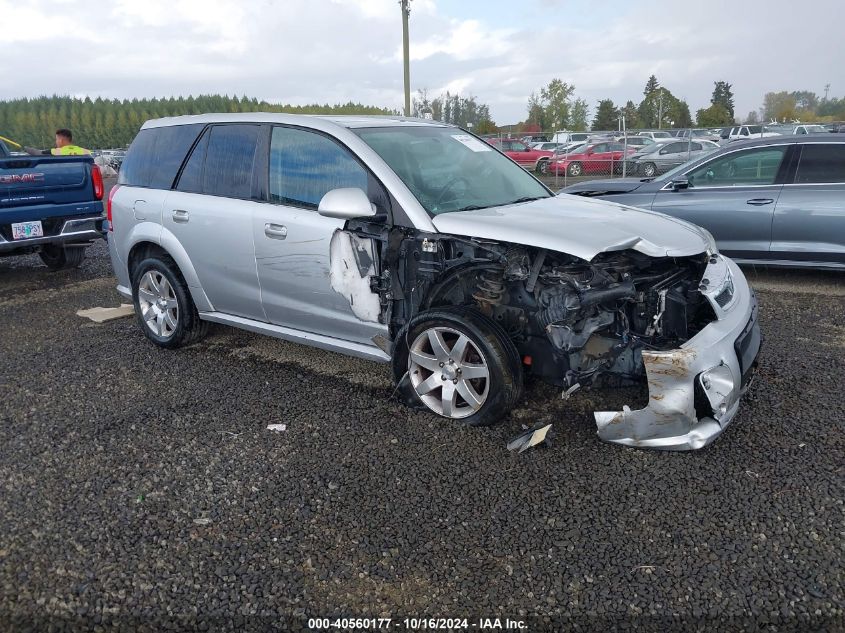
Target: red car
(519, 152)
(596, 158)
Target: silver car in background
(661, 157)
(415, 243)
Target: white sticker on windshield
(473, 143)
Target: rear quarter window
(156, 154)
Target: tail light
(108, 206)
(97, 179)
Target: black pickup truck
(52, 205)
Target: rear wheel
(575, 169)
(458, 364)
(62, 257)
(164, 308)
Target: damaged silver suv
(416, 243)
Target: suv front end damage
(684, 324)
(694, 390)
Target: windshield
(575, 149)
(662, 135)
(816, 129)
(449, 170)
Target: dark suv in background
(777, 201)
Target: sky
(333, 51)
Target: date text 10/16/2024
(418, 624)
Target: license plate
(25, 230)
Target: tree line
(103, 123)
(555, 108)
(463, 111)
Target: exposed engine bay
(574, 323)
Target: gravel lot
(141, 490)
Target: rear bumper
(77, 230)
(694, 391)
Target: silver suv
(416, 243)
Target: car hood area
(578, 226)
(606, 185)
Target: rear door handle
(275, 231)
(759, 202)
(181, 216)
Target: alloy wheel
(448, 372)
(159, 307)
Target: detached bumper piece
(694, 391)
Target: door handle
(759, 202)
(181, 216)
(275, 231)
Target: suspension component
(490, 289)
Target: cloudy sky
(329, 51)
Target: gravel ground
(141, 490)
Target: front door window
(750, 167)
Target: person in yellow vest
(64, 146)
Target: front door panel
(293, 257)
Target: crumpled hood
(609, 185)
(578, 226)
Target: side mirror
(346, 204)
(527, 149)
(680, 183)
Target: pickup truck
(50, 205)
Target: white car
(745, 132)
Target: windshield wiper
(471, 207)
(526, 199)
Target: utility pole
(406, 11)
(826, 90)
(660, 110)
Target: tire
(160, 292)
(487, 351)
(62, 257)
(542, 166)
(649, 170)
(574, 169)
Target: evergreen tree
(723, 96)
(606, 116)
(651, 85)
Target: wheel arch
(145, 248)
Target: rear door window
(822, 163)
(230, 160)
(305, 165)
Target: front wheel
(458, 364)
(62, 257)
(575, 169)
(163, 305)
(649, 170)
(543, 167)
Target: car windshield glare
(449, 170)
